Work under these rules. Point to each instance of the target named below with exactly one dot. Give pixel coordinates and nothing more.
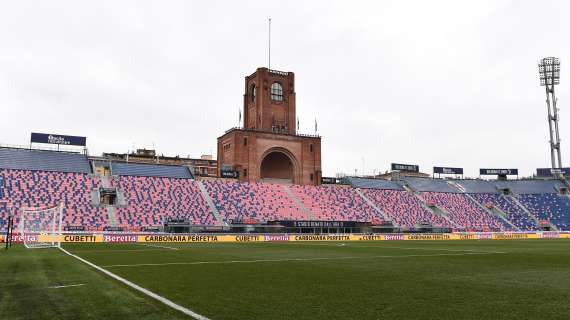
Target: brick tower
(268, 147)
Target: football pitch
(510, 279)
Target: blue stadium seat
(150, 170)
(374, 184)
(25, 159)
(430, 185)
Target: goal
(41, 227)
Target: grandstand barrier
(190, 238)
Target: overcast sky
(449, 83)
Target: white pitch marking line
(403, 248)
(67, 286)
(139, 288)
(156, 246)
(293, 259)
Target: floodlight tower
(549, 71)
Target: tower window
(311, 148)
(245, 142)
(311, 176)
(276, 92)
(253, 92)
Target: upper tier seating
(403, 208)
(254, 201)
(25, 159)
(513, 212)
(550, 207)
(335, 203)
(150, 170)
(43, 189)
(428, 184)
(463, 212)
(374, 184)
(529, 186)
(151, 201)
(477, 186)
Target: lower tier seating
(403, 208)
(549, 207)
(335, 203)
(515, 214)
(464, 212)
(41, 189)
(258, 202)
(151, 201)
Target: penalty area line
(139, 288)
(156, 246)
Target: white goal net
(41, 228)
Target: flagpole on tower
(269, 47)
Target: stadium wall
(191, 238)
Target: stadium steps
(435, 209)
(299, 203)
(495, 212)
(371, 204)
(516, 201)
(211, 204)
(503, 216)
(112, 218)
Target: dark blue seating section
(549, 207)
(25, 159)
(515, 214)
(530, 186)
(150, 170)
(430, 185)
(477, 186)
(374, 184)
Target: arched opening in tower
(277, 166)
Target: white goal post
(41, 228)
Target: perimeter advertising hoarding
(58, 139)
(447, 170)
(499, 172)
(405, 167)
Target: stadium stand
(463, 212)
(257, 202)
(335, 203)
(429, 185)
(550, 207)
(25, 159)
(374, 184)
(43, 189)
(529, 186)
(150, 170)
(514, 213)
(477, 186)
(403, 208)
(151, 201)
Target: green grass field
(513, 279)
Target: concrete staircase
(211, 204)
(435, 209)
(299, 203)
(522, 207)
(111, 216)
(371, 204)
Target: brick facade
(268, 145)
